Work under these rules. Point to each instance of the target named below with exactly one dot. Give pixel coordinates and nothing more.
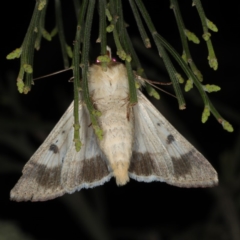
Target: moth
(138, 143)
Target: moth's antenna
(162, 89)
(158, 83)
(51, 74)
(152, 83)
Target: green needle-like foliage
(111, 22)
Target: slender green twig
(42, 32)
(141, 28)
(114, 13)
(102, 29)
(102, 38)
(122, 29)
(136, 64)
(170, 68)
(213, 63)
(171, 71)
(84, 65)
(140, 71)
(29, 59)
(186, 69)
(76, 74)
(207, 103)
(202, 16)
(27, 51)
(181, 28)
(157, 38)
(113, 27)
(61, 33)
(120, 23)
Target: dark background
(138, 210)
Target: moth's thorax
(109, 91)
(112, 83)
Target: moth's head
(106, 62)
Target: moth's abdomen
(109, 91)
(117, 140)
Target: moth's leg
(96, 102)
(128, 107)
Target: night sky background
(140, 211)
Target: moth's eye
(113, 60)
